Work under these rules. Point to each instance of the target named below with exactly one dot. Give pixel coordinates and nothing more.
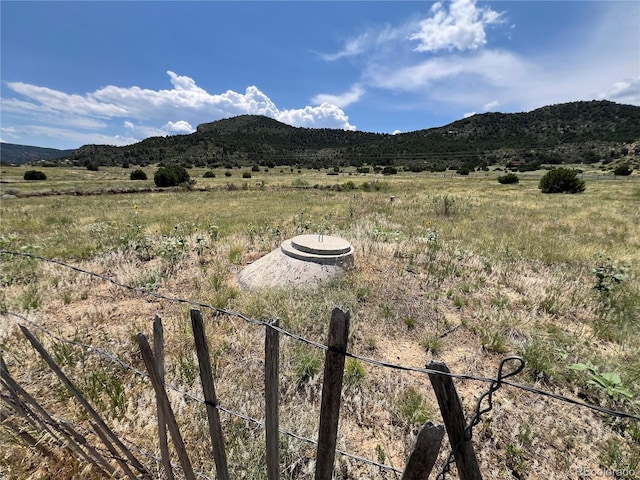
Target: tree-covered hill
(11, 153)
(571, 132)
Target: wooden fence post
(158, 351)
(46, 423)
(331, 391)
(272, 390)
(453, 416)
(112, 449)
(90, 410)
(102, 463)
(211, 402)
(425, 452)
(163, 399)
(25, 436)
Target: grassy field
(461, 269)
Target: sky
(90, 72)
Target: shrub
(255, 168)
(209, 174)
(227, 174)
(246, 175)
(171, 175)
(363, 169)
(508, 178)
(354, 372)
(389, 170)
(93, 167)
(348, 186)
(464, 170)
(138, 175)
(413, 408)
(34, 175)
(561, 180)
(623, 170)
(375, 186)
(307, 364)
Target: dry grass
(465, 270)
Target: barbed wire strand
(321, 346)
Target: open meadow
(456, 268)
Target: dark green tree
(34, 175)
(561, 180)
(508, 178)
(138, 174)
(623, 170)
(171, 175)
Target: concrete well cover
(305, 260)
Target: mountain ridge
(16, 153)
(568, 132)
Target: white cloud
(186, 95)
(69, 135)
(497, 68)
(396, 132)
(180, 126)
(624, 91)
(370, 40)
(353, 47)
(325, 115)
(460, 28)
(343, 100)
(170, 128)
(49, 100)
(9, 132)
(491, 106)
(469, 114)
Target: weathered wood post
(163, 400)
(87, 406)
(331, 391)
(272, 390)
(453, 416)
(38, 417)
(211, 402)
(425, 452)
(158, 351)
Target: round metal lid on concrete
(319, 248)
(321, 244)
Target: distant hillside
(19, 154)
(571, 132)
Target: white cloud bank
(145, 112)
(448, 61)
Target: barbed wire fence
(435, 371)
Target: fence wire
(299, 338)
(191, 397)
(494, 383)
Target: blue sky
(74, 73)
